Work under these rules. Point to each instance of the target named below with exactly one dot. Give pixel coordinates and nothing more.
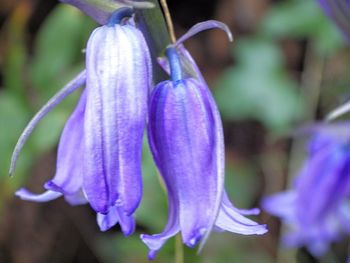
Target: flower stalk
(168, 20)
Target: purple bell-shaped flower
(99, 154)
(186, 139)
(316, 209)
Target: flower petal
(199, 27)
(339, 111)
(327, 176)
(24, 194)
(117, 90)
(155, 242)
(115, 215)
(231, 220)
(78, 198)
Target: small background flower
(316, 207)
(280, 71)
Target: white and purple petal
(118, 83)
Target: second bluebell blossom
(186, 139)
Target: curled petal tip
(336, 113)
(24, 194)
(205, 26)
(263, 230)
(152, 254)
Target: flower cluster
(99, 154)
(317, 209)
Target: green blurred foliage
(59, 50)
(258, 86)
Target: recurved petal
(202, 26)
(69, 172)
(24, 194)
(231, 219)
(155, 242)
(118, 70)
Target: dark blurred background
(287, 67)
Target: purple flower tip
(152, 255)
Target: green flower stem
(179, 250)
(153, 25)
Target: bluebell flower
(99, 154)
(186, 139)
(339, 12)
(316, 209)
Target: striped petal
(118, 81)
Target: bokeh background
(287, 67)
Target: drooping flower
(339, 12)
(99, 154)
(186, 139)
(317, 209)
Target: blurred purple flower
(99, 154)
(186, 139)
(339, 12)
(317, 208)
